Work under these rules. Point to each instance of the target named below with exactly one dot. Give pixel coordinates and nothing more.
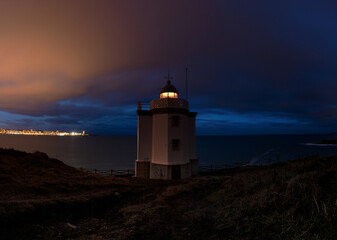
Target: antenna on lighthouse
(168, 76)
(186, 83)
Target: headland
(42, 198)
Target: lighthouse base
(168, 172)
(142, 169)
(146, 169)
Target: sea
(119, 152)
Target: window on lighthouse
(175, 121)
(169, 95)
(175, 144)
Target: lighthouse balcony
(169, 103)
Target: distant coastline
(41, 132)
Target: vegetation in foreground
(41, 198)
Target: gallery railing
(169, 103)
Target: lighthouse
(166, 141)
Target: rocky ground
(42, 198)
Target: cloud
(100, 57)
(52, 51)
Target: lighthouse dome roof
(169, 88)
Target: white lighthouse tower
(166, 144)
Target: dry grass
(292, 200)
(26, 176)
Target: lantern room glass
(169, 95)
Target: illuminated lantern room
(169, 91)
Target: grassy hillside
(292, 200)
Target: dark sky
(254, 67)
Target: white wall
(164, 133)
(182, 133)
(144, 135)
(192, 145)
(160, 139)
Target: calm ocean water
(119, 152)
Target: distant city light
(40, 132)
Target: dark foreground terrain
(42, 198)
